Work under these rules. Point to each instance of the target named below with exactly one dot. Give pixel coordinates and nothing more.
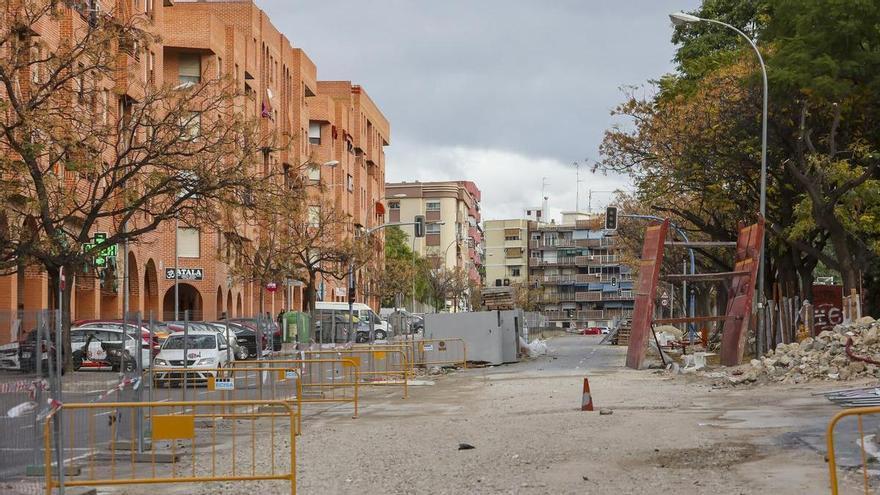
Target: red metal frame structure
(646, 292)
(739, 307)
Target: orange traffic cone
(587, 400)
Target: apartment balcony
(597, 260)
(588, 278)
(591, 314)
(566, 296)
(605, 242)
(620, 277)
(555, 244)
(562, 261)
(553, 279)
(624, 295)
(588, 296)
(557, 314)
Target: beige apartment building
(507, 252)
(453, 234)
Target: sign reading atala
(184, 273)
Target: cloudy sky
(501, 92)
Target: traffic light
(611, 218)
(351, 294)
(613, 281)
(420, 226)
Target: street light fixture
(680, 19)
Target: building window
(514, 271)
(394, 205)
(187, 242)
(189, 68)
(315, 132)
(432, 206)
(511, 237)
(315, 173)
(314, 216)
(190, 126)
(350, 183)
(432, 228)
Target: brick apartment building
(327, 122)
(452, 210)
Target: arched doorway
(134, 290)
(238, 307)
(190, 299)
(151, 290)
(229, 303)
(219, 302)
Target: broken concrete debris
(847, 352)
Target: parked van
(332, 324)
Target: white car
(103, 349)
(205, 353)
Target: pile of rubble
(824, 357)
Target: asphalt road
(576, 354)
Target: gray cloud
(464, 82)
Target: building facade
(453, 234)
(507, 252)
(313, 122)
(577, 274)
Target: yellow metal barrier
(383, 366)
(436, 352)
(858, 412)
(230, 383)
(337, 379)
(202, 426)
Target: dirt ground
(666, 434)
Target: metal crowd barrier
(424, 353)
(380, 365)
(185, 434)
(322, 380)
(858, 412)
(229, 384)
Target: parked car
(246, 337)
(103, 348)
(160, 330)
(604, 330)
(205, 353)
(22, 354)
(591, 331)
(272, 325)
(238, 351)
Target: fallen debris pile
(845, 353)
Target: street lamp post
(679, 19)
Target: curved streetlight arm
(763, 206)
(682, 18)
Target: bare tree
(78, 157)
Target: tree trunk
(844, 256)
(64, 305)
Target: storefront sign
(185, 273)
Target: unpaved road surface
(666, 435)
